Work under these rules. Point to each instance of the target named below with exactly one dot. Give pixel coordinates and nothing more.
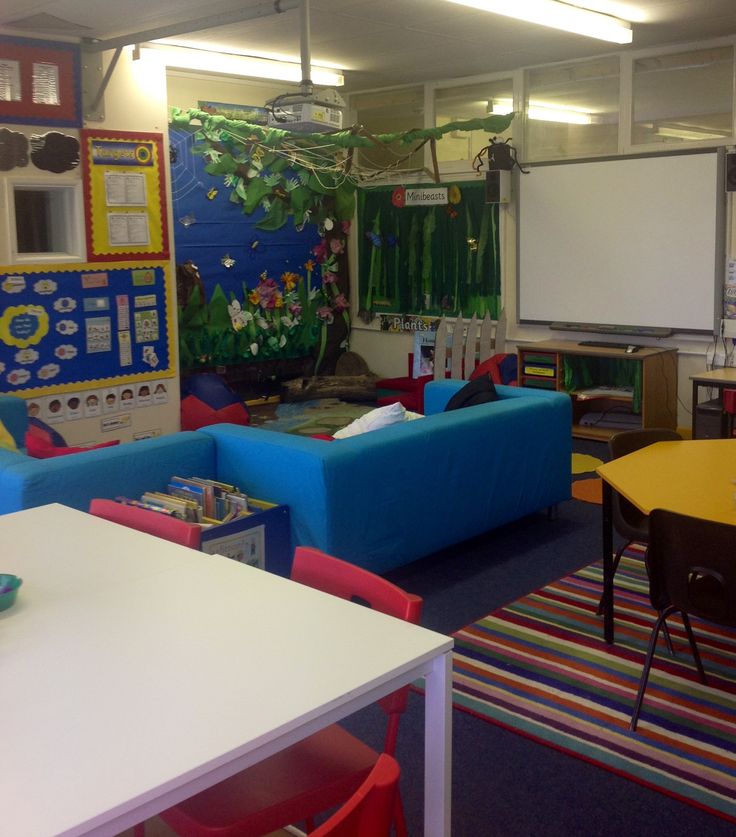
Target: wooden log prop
(356, 387)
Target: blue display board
(68, 327)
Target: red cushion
(489, 366)
(42, 450)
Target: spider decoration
(501, 156)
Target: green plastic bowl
(9, 585)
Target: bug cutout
(501, 156)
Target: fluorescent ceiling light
(547, 112)
(230, 64)
(558, 15)
(687, 133)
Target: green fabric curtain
(586, 372)
(429, 260)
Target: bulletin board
(41, 82)
(71, 326)
(125, 197)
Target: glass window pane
(469, 101)
(389, 112)
(683, 97)
(572, 110)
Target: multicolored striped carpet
(540, 667)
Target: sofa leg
(552, 512)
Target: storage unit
(709, 420)
(601, 406)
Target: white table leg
(438, 747)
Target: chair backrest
(369, 811)
(315, 568)
(151, 522)
(691, 565)
(627, 519)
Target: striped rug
(540, 667)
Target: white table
(134, 673)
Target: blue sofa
(379, 500)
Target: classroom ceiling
(377, 42)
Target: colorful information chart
(62, 326)
(124, 195)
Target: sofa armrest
(14, 415)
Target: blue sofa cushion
(481, 390)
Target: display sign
(125, 199)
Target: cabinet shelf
(655, 375)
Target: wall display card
(115, 423)
(127, 228)
(110, 400)
(92, 404)
(57, 330)
(124, 169)
(9, 81)
(125, 189)
(143, 395)
(146, 326)
(160, 393)
(45, 88)
(53, 411)
(123, 307)
(99, 336)
(72, 408)
(125, 348)
(96, 303)
(127, 398)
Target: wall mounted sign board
(125, 198)
(39, 82)
(68, 327)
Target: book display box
(260, 539)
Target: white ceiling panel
(380, 42)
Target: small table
(136, 672)
(719, 379)
(694, 477)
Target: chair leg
(616, 562)
(668, 639)
(647, 666)
(399, 818)
(694, 648)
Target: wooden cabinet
(602, 404)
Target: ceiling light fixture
(547, 112)
(230, 64)
(558, 15)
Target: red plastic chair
(151, 522)
(322, 771)
(369, 811)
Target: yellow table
(695, 477)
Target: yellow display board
(125, 196)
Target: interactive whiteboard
(631, 241)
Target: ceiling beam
(264, 9)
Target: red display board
(39, 82)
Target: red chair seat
(309, 777)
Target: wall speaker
(731, 172)
(498, 186)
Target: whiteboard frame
(719, 262)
